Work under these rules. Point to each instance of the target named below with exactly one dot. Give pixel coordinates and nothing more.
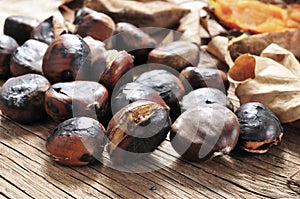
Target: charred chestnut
(64, 57)
(200, 77)
(28, 58)
(48, 30)
(178, 55)
(205, 132)
(22, 98)
(137, 129)
(260, 128)
(97, 25)
(20, 27)
(78, 98)
(7, 47)
(169, 87)
(133, 40)
(77, 141)
(117, 64)
(205, 96)
(132, 92)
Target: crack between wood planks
(15, 187)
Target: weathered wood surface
(26, 171)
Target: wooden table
(26, 171)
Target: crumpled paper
(273, 78)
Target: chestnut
(48, 30)
(134, 40)
(28, 58)
(77, 141)
(97, 25)
(7, 47)
(205, 96)
(22, 98)
(20, 27)
(200, 77)
(64, 57)
(131, 92)
(117, 64)
(169, 87)
(260, 128)
(205, 132)
(136, 130)
(177, 54)
(78, 98)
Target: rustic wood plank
(11, 191)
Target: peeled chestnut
(28, 58)
(77, 98)
(200, 77)
(178, 55)
(205, 132)
(64, 57)
(137, 129)
(77, 141)
(20, 27)
(260, 128)
(169, 87)
(7, 47)
(205, 96)
(132, 92)
(97, 25)
(134, 40)
(22, 98)
(117, 64)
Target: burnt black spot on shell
(67, 75)
(69, 107)
(52, 106)
(87, 158)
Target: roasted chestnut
(97, 25)
(205, 96)
(77, 98)
(133, 40)
(64, 57)
(19, 27)
(178, 55)
(77, 141)
(48, 30)
(22, 98)
(137, 129)
(200, 77)
(117, 64)
(132, 92)
(169, 87)
(28, 58)
(260, 128)
(205, 132)
(7, 47)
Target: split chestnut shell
(260, 128)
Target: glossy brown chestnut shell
(77, 141)
(200, 77)
(7, 47)
(136, 130)
(65, 56)
(77, 98)
(205, 132)
(178, 55)
(97, 25)
(205, 96)
(19, 27)
(169, 87)
(22, 98)
(28, 58)
(260, 128)
(134, 40)
(117, 64)
(132, 92)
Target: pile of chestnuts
(72, 75)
